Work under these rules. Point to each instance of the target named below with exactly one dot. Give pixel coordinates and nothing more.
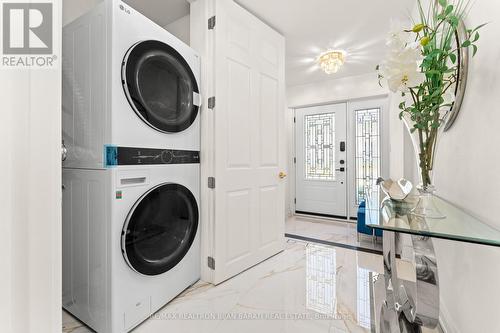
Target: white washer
(126, 82)
(131, 241)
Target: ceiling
(161, 12)
(314, 26)
(310, 27)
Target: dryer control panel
(115, 156)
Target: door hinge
(211, 102)
(294, 120)
(211, 262)
(211, 23)
(211, 182)
(295, 200)
(295, 160)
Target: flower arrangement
(422, 66)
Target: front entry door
(321, 160)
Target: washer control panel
(115, 156)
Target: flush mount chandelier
(331, 61)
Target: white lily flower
(402, 75)
(397, 37)
(402, 70)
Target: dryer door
(160, 86)
(160, 229)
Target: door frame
(31, 195)
(349, 145)
(202, 40)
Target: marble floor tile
(330, 230)
(308, 287)
(72, 325)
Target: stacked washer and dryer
(131, 180)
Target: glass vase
(425, 142)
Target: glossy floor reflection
(340, 232)
(307, 288)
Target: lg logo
(27, 28)
(122, 7)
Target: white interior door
(321, 182)
(249, 147)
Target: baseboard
(336, 217)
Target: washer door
(160, 86)
(160, 229)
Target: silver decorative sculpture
(397, 190)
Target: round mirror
(461, 83)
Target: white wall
(180, 29)
(468, 173)
(334, 90)
(331, 91)
(72, 9)
(30, 197)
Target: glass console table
(410, 280)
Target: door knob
(282, 175)
(64, 152)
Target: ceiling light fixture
(331, 61)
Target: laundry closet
(174, 156)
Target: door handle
(340, 169)
(282, 175)
(64, 152)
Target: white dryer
(131, 239)
(126, 82)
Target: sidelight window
(367, 150)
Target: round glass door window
(160, 86)
(160, 229)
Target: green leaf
(478, 27)
(443, 3)
(433, 72)
(466, 43)
(436, 93)
(476, 37)
(453, 20)
(474, 49)
(448, 10)
(453, 57)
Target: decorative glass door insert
(367, 150)
(319, 134)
